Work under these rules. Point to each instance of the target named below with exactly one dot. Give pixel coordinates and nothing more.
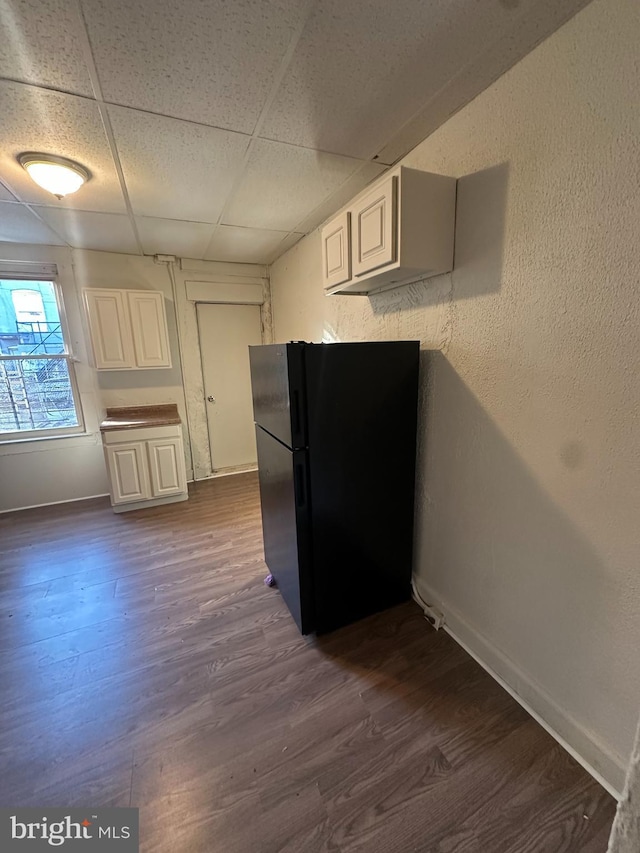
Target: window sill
(48, 442)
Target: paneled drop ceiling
(226, 129)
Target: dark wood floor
(143, 662)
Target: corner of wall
(600, 761)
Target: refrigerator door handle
(295, 413)
(301, 488)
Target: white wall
(527, 510)
(52, 470)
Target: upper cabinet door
(374, 228)
(149, 326)
(110, 330)
(336, 250)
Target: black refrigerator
(336, 437)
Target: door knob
(211, 399)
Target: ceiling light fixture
(55, 174)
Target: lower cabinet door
(128, 472)
(166, 465)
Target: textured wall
(527, 528)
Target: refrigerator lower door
(284, 496)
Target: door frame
(218, 283)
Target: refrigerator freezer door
(285, 524)
(278, 391)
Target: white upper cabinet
(336, 250)
(110, 332)
(402, 230)
(128, 329)
(149, 325)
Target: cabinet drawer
(118, 436)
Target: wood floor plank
(144, 662)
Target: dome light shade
(57, 175)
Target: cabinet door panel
(374, 230)
(166, 464)
(128, 472)
(149, 326)
(110, 331)
(336, 250)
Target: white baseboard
(598, 760)
(54, 503)
(228, 472)
(171, 499)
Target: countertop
(134, 417)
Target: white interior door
(226, 332)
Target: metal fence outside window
(35, 394)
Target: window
(38, 392)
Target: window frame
(67, 355)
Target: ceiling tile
(282, 183)
(360, 70)
(247, 245)
(342, 196)
(19, 225)
(106, 232)
(173, 237)
(54, 123)
(212, 62)
(289, 241)
(5, 195)
(42, 44)
(176, 169)
(537, 20)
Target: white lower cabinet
(146, 466)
